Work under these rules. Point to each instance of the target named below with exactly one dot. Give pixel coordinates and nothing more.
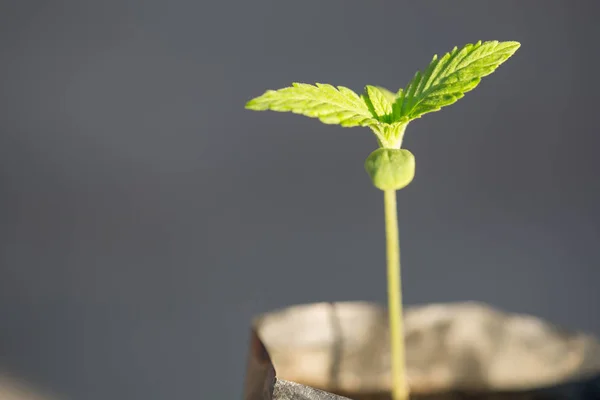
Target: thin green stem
(399, 384)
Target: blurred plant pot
(454, 351)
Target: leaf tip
(254, 105)
(514, 44)
(510, 47)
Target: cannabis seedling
(390, 167)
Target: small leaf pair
(442, 83)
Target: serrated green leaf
(329, 104)
(379, 102)
(447, 79)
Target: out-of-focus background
(146, 217)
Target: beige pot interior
(344, 347)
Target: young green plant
(391, 167)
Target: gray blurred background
(146, 217)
